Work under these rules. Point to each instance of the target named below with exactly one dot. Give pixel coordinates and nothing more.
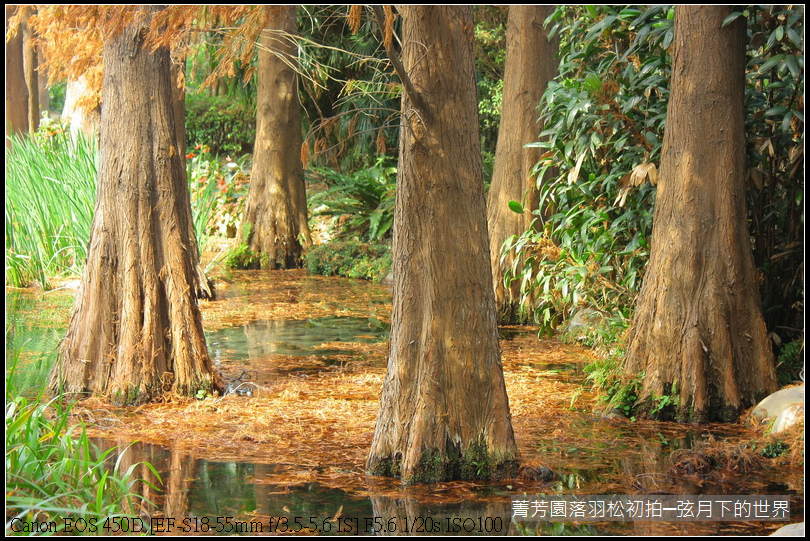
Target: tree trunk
(698, 332)
(30, 67)
(530, 64)
(136, 329)
(275, 219)
(16, 90)
(81, 119)
(444, 412)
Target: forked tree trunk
(136, 329)
(16, 90)
(698, 332)
(444, 413)
(275, 219)
(530, 64)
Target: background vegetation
(605, 118)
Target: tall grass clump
(50, 195)
(54, 471)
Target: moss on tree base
(451, 465)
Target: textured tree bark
(275, 219)
(16, 90)
(530, 64)
(698, 332)
(444, 412)
(136, 330)
(30, 66)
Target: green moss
(243, 257)
(435, 466)
(350, 258)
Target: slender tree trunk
(81, 119)
(136, 330)
(275, 219)
(42, 89)
(30, 66)
(698, 332)
(444, 412)
(530, 64)
(16, 90)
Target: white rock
(788, 417)
(779, 401)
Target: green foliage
(243, 257)
(366, 197)
(790, 362)
(51, 195)
(775, 450)
(490, 57)
(225, 125)
(218, 189)
(56, 96)
(350, 94)
(775, 152)
(50, 199)
(53, 470)
(350, 258)
(604, 118)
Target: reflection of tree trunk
(260, 337)
(16, 91)
(178, 484)
(425, 519)
(261, 492)
(530, 64)
(698, 333)
(129, 454)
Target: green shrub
(242, 257)
(226, 125)
(604, 117)
(218, 189)
(350, 258)
(367, 197)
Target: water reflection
(293, 337)
(586, 453)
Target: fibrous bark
(16, 90)
(444, 411)
(698, 333)
(275, 219)
(530, 65)
(136, 330)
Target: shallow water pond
(285, 450)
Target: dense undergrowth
(54, 470)
(605, 115)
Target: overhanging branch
(407, 84)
